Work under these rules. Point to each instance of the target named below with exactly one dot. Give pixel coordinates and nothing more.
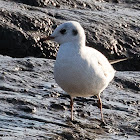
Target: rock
(57, 106)
(20, 32)
(27, 108)
(111, 28)
(34, 2)
(29, 111)
(32, 104)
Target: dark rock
(27, 108)
(113, 30)
(33, 2)
(57, 106)
(20, 31)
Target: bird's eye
(63, 31)
(74, 32)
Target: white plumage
(79, 70)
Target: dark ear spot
(54, 26)
(74, 32)
(63, 31)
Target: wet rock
(69, 136)
(111, 28)
(34, 2)
(20, 32)
(127, 82)
(34, 108)
(26, 108)
(58, 106)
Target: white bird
(79, 70)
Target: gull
(79, 70)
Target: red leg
(100, 106)
(71, 104)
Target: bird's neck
(82, 43)
(76, 44)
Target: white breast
(82, 71)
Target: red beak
(46, 38)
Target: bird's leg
(100, 106)
(71, 104)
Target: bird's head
(70, 31)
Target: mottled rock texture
(112, 27)
(32, 106)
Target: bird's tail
(118, 60)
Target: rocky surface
(34, 107)
(112, 27)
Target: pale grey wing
(102, 64)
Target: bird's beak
(46, 38)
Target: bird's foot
(103, 123)
(74, 121)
